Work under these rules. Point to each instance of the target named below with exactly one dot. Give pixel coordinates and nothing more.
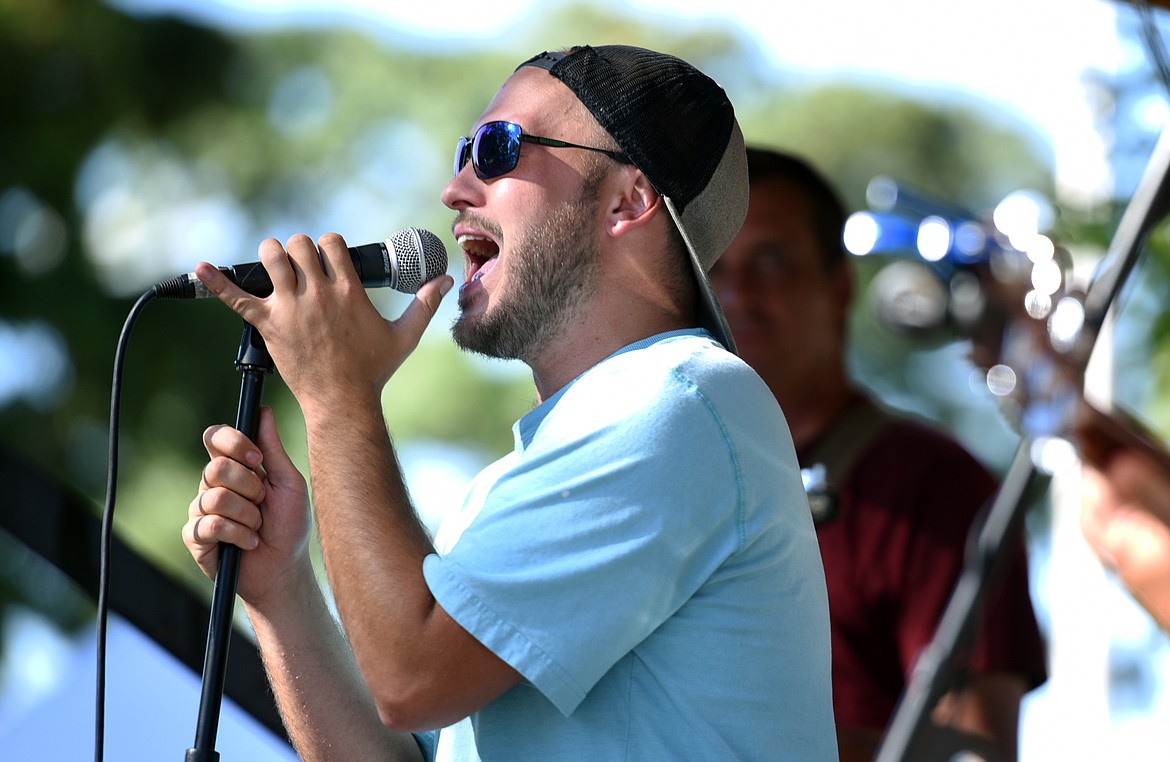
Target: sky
(1029, 57)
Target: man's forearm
(423, 669)
(325, 706)
(372, 541)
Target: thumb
(275, 459)
(425, 304)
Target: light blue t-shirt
(646, 559)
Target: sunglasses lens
(496, 149)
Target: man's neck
(811, 411)
(587, 344)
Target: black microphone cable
(107, 530)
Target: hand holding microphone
(404, 261)
(301, 300)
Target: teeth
(478, 246)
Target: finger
(305, 260)
(232, 475)
(422, 308)
(1144, 538)
(226, 441)
(1141, 480)
(209, 438)
(219, 501)
(335, 258)
(1138, 546)
(195, 531)
(206, 554)
(1098, 504)
(241, 302)
(203, 532)
(277, 263)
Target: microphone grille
(420, 256)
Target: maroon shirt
(892, 557)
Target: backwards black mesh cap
(677, 125)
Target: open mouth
(479, 255)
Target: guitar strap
(832, 457)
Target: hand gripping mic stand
(911, 736)
(255, 364)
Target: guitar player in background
(893, 498)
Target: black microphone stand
(936, 667)
(255, 364)
(911, 735)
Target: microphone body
(403, 262)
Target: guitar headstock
(1005, 286)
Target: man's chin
(472, 333)
(464, 332)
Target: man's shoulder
(681, 389)
(680, 360)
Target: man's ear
(632, 203)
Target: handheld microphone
(404, 261)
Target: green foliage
(76, 72)
(443, 394)
(854, 133)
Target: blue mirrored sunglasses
(495, 149)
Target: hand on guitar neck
(1125, 512)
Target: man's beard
(551, 272)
